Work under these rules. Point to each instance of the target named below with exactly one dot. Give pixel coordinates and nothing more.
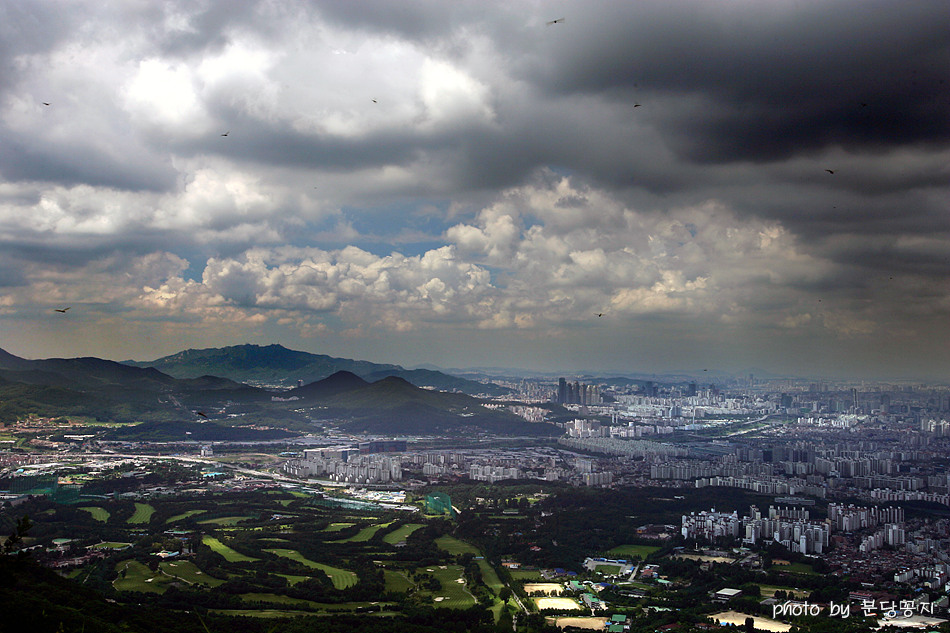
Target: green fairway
(225, 520)
(99, 514)
(454, 594)
(632, 551)
(401, 533)
(185, 515)
(229, 554)
(454, 546)
(294, 580)
(188, 572)
(336, 527)
(397, 582)
(143, 513)
(364, 535)
(525, 574)
(342, 578)
(134, 576)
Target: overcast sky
(464, 184)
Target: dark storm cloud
(79, 161)
(768, 80)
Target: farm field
(143, 513)
(342, 578)
(229, 554)
(99, 514)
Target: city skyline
(646, 187)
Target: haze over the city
(641, 186)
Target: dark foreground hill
(104, 389)
(277, 365)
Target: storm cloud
(730, 184)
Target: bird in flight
(636, 105)
(600, 314)
(829, 171)
(226, 133)
(374, 101)
(557, 21)
(63, 310)
(202, 414)
(44, 103)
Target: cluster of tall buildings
(792, 528)
(577, 393)
(346, 465)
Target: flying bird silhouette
(600, 314)
(829, 171)
(374, 101)
(201, 413)
(44, 103)
(226, 133)
(557, 21)
(636, 105)
(63, 310)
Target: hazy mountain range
(276, 365)
(111, 391)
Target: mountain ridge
(277, 365)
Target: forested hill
(277, 365)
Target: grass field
(632, 551)
(229, 554)
(188, 572)
(143, 513)
(769, 590)
(293, 580)
(401, 534)
(111, 545)
(365, 534)
(225, 520)
(454, 546)
(336, 527)
(397, 582)
(99, 514)
(453, 594)
(608, 570)
(797, 568)
(185, 515)
(134, 576)
(342, 578)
